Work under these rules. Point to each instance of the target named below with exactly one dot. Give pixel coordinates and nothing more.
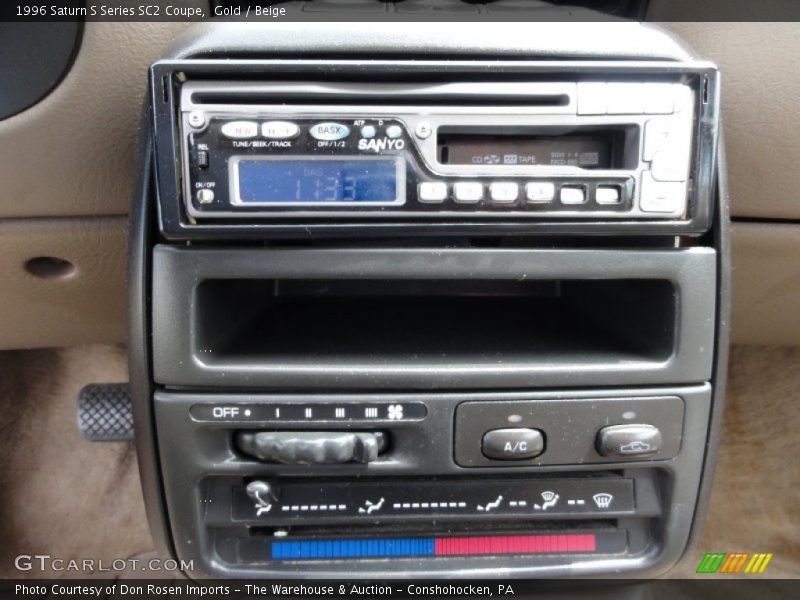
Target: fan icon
(395, 411)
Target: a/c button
(512, 444)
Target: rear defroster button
(517, 443)
(629, 441)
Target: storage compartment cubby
(404, 319)
(433, 323)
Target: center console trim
(231, 48)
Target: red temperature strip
(515, 544)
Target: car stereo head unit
(595, 152)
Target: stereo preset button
(573, 195)
(540, 192)
(432, 191)
(629, 441)
(607, 194)
(205, 196)
(468, 192)
(512, 444)
(329, 131)
(657, 134)
(280, 130)
(670, 164)
(662, 197)
(503, 191)
(394, 131)
(239, 130)
(667, 146)
(368, 131)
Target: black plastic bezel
(166, 78)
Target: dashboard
(405, 311)
(417, 310)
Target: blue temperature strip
(372, 548)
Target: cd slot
(367, 100)
(556, 95)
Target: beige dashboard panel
(766, 284)
(73, 153)
(59, 306)
(760, 66)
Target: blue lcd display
(320, 181)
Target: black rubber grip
(105, 413)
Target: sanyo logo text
(379, 145)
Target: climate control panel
(435, 318)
